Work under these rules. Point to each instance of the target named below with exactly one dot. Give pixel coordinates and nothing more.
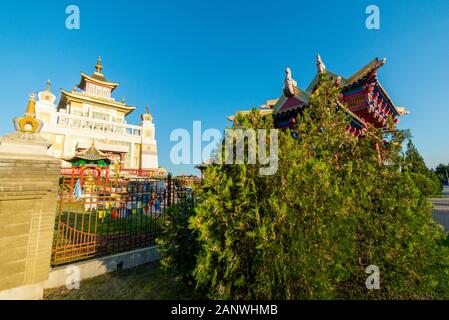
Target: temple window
(100, 116)
(76, 111)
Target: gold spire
(29, 123)
(146, 108)
(31, 107)
(98, 66)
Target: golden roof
(97, 77)
(103, 102)
(376, 63)
(90, 154)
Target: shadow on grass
(146, 282)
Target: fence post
(169, 190)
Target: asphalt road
(441, 209)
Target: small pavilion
(90, 159)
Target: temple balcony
(97, 126)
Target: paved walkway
(441, 209)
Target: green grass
(146, 282)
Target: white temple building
(89, 113)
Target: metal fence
(97, 216)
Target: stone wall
(28, 198)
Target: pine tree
(413, 161)
(425, 179)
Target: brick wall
(28, 197)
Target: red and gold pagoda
(366, 100)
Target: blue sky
(204, 60)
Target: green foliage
(425, 179)
(178, 242)
(310, 230)
(81, 163)
(413, 161)
(427, 185)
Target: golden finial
(74, 88)
(29, 123)
(31, 107)
(48, 85)
(123, 100)
(146, 108)
(98, 66)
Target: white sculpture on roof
(289, 83)
(321, 67)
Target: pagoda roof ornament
(338, 81)
(28, 123)
(97, 78)
(99, 66)
(321, 67)
(289, 83)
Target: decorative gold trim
(80, 97)
(84, 76)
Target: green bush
(427, 185)
(437, 182)
(178, 245)
(311, 230)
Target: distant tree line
(442, 172)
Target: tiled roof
(314, 82)
(299, 94)
(376, 63)
(99, 77)
(90, 154)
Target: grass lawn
(146, 282)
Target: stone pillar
(28, 198)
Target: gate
(98, 216)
